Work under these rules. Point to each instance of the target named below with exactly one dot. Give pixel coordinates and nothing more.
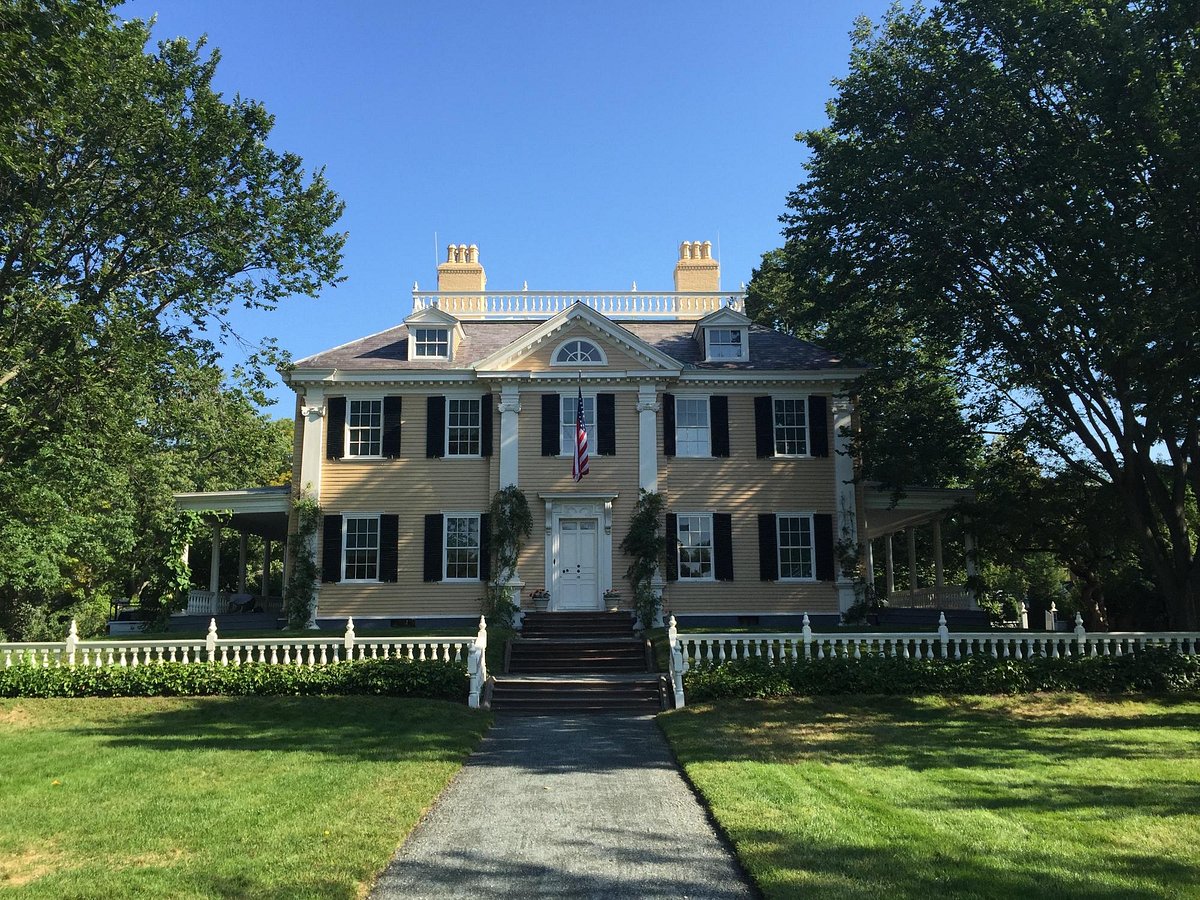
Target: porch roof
(262, 510)
(884, 514)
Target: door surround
(596, 506)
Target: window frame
(417, 343)
(346, 435)
(359, 516)
(712, 549)
(802, 399)
(566, 446)
(812, 547)
(446, 517)
(478, 426)
(706, 400)
(732, 329)
(603, 361)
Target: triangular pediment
(725, 317)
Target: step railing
(686, 651)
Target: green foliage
(301, 591)
(646, 546)
(1151, 670)
(509, 525)
(385, 677)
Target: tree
(1016, 181)
(137, 207)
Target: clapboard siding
(539, 359)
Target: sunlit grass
(1035, 796)
(217, 797)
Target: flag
(579, 464)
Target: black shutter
(768, 548)
(668, 406)
(672, 547)
(606, 424)
(551, 435)
(485, 548)
(764, 427)
(718, 419)
(823, 545)
(331, 549)
(723, 546)
(485, 422)
(818, 425)
(435, 427)
(389, 537)
(433, 547)
(335, 427)
(391, 426)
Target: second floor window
(432, 342)
(568, 403)
(462, 548)
(695, 547)
(791, 426)
(361, 549)
(364, 423)
(462, 426)
(691, 426)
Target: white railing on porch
(206, 603)
(318, 650)
(945, 597)
(686, 651)
(544, 304)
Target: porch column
(912, 558)
(869, 562)
(214, 566)
(266, 569)
(647, 407)
(889, 562)
(241, 582)
(937, 553)
(510, 409)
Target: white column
(869, 563)
(311, 456)
(889, 564)
(647, 408)
(241, 582)
(937, 552)
(214, 565)
(843, 471)
(510, 409)
(266, 569)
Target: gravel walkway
(566, 806)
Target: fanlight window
(579, 352)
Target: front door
(577, 585)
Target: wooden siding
(618, 359)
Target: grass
(217, 797)
(1038, 796)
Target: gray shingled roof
(389, 349)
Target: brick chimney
(461, 272)
(696, 269)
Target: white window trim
(569, 451)
(449, 341)
(712, 549)
(446, 431)
(707, 398)
(346, 454)
(554, 356)
(708, 357)
(812, 533)
(378, 517)
(446, 517)
(807, 454)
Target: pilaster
(510, 410)
(647, 407)
(843, 469)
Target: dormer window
(725, 343)
(577, 352)
(431, 343)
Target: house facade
(404, 437)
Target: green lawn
(217, 797)
(1036, 796)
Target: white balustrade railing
(686, 651)
(946, 597)
(544, 304)
(205, 603)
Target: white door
(577, 586)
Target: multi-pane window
(791, 431)
(795, 546)
(361, 550)
(569, 404)
(691, 426)
(462, 547)
(695, 546)
(364, 422)
(583, 352)
(725, 343)
(462, 426)
(434, 342)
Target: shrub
(391, 677)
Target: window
(791, 431)
(725, 343)
(695, 547)
(691, 426)
(361, 549)
(462, 426)
(568, 403)
(576, 352)
(432, 342)
(364, 422)
(462, 548)
(795, 547)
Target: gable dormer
(723, 336)
(433, 334)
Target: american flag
(579, 464)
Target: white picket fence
(310, 652)
(711, 649)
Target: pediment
(725, 317)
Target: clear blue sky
(576, 143)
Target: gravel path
(566, 806)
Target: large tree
(1017, 180)
(138, 206)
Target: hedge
(1148, 671)
(391, 677)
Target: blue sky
(577, 144)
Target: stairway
(580, 663)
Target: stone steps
(538, 696)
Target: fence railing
(319, 650)
(711, 649)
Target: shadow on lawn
(364, 728)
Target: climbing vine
(645, 544)
(510, 524)
(301, 589)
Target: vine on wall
(510, 524)
(301, 590)
(646, 545)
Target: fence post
(349, 641)
(477, 665)
(210, 642)
(944, 635)
(806, 632)
(1051, 616)
(71, 643)
(1080, 636)
(675, 661)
